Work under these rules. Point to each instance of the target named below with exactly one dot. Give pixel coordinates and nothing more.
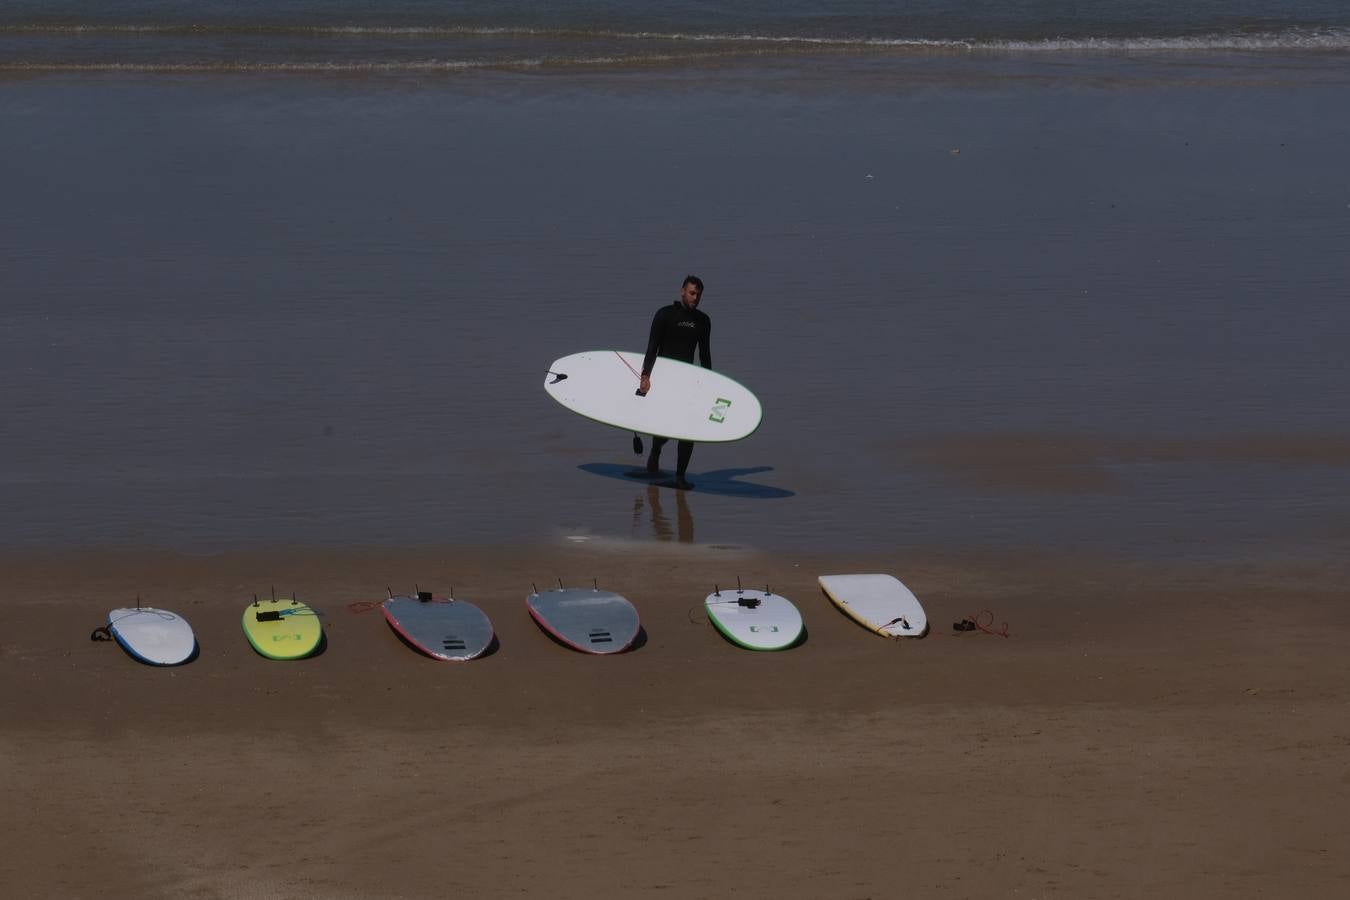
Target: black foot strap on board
(100, 634)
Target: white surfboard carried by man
(686, 402)
(660, 392)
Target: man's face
(689, 296)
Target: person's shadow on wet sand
(719, 482)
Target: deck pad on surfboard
(442, 629)
(755, 620)
(153, 636)
(586, 619)
(282, 629)
(879, 603)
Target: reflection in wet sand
(684, 520)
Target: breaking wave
(317, 48)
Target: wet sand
(1113, 320)
(1143, 731)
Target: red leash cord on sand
(987, 626)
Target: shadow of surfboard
(719, 482)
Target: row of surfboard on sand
(586, 619)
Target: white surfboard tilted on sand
(879, 603)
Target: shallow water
(1094, 305)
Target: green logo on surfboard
(719, 410)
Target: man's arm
(705, 344)
(654, 341)
(653, 347)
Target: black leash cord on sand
(981, 621)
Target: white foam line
(1332, 38)
(336, 67)
(1270, 41)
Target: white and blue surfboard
(155, 637)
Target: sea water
(1019, 276)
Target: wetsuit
(677, 332)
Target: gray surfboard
(443, 629)
(586, 619)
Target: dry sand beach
(1143, 731)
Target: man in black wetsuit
(677, 330)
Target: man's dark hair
(695, 281)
